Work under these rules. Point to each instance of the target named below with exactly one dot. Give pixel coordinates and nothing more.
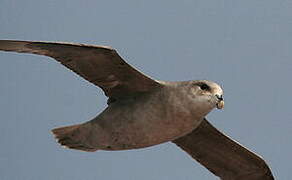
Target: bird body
(143, 120)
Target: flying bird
(143, 112)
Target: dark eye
(204, 87)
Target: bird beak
(220, 103)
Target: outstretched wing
(222, 156)
(99, 65)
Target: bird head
(207, 93)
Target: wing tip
(15, 43)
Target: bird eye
(204, 87)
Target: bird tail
(73, 137)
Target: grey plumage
(143, 112)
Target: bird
(143, 112)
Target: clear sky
(243, 45)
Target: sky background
(243, 45)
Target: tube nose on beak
(220, 97)
(220, 103)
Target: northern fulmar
(143, 112)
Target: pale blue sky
(243, 45)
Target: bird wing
(99, 65)
(222, 156)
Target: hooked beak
(220, 103)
